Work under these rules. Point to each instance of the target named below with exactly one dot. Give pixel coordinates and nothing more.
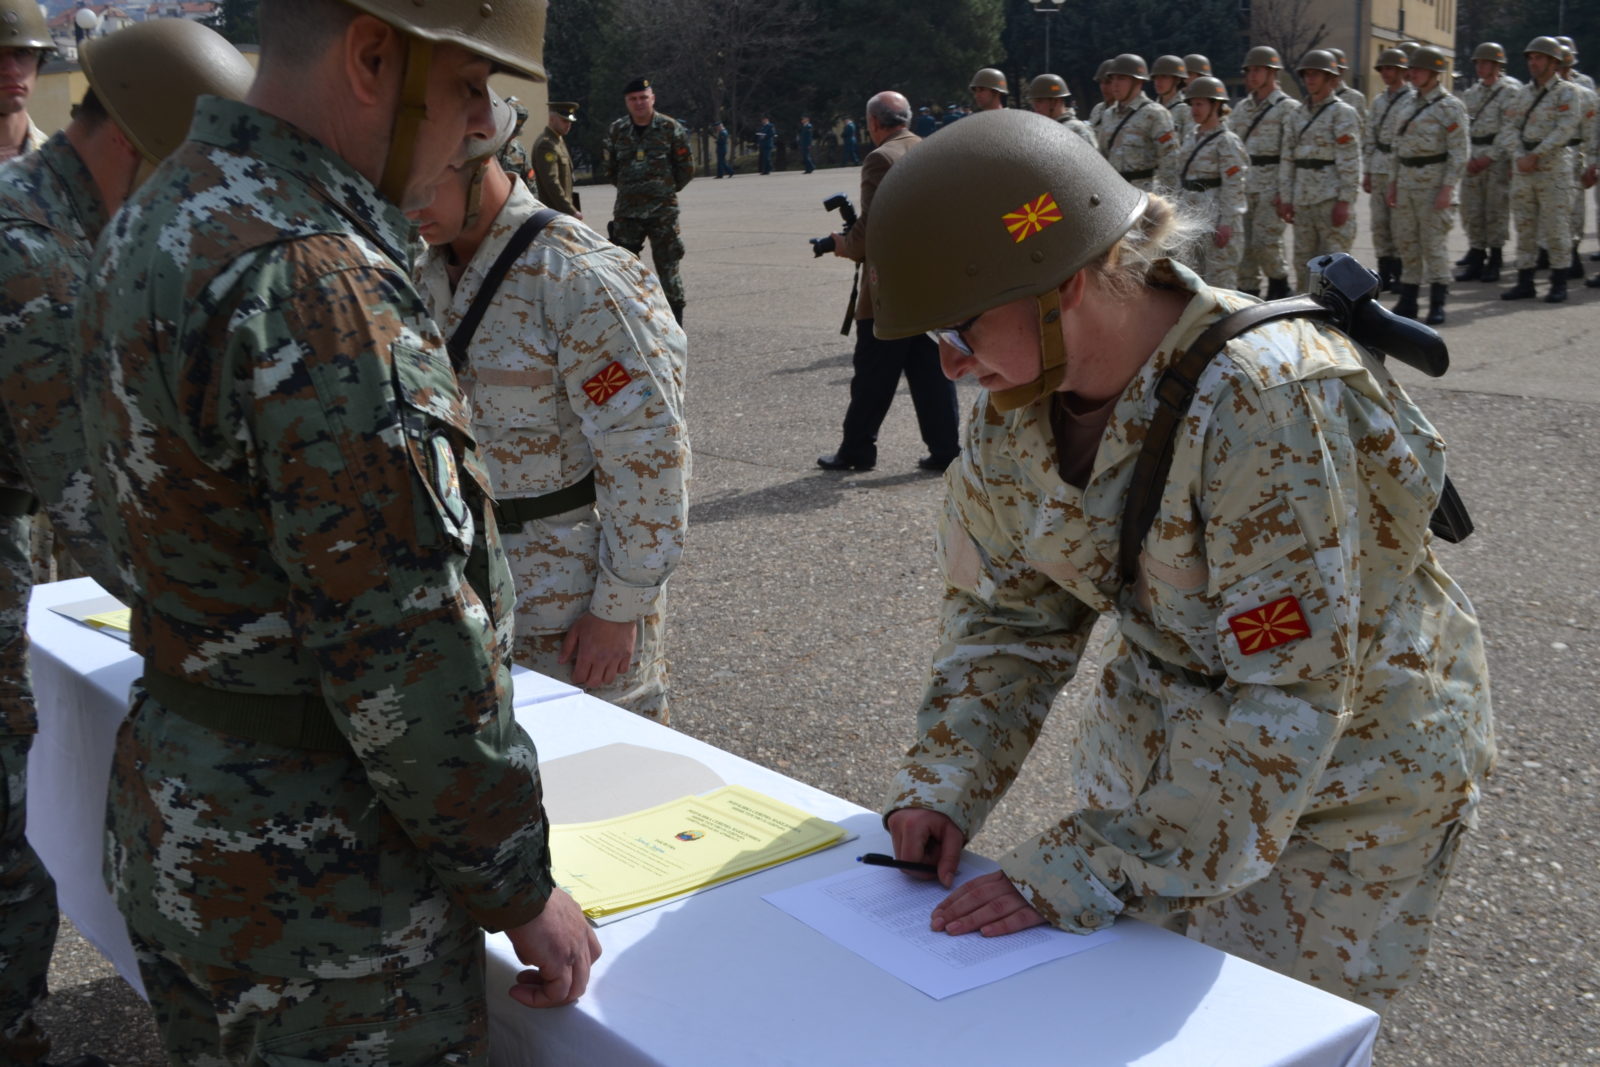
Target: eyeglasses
(951, 335)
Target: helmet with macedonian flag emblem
(1025, 203)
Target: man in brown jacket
(879, 364)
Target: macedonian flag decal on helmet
(1032, 217)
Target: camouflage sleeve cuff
(516, 897)
(943, 787)
(617, 601)
(1062, 887)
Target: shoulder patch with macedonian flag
(1032, 217)
(1270, 625)
(607, 384)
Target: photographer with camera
(878, 363)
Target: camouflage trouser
(1383, 243)
(27, 916)
(1420, 234)
(1541, 203)
(1324, 919)
(424, 1016)
(1261, 251)
(1579, 204)
(1316, 235)
(1485, 206)
(555, 563)
(666, 248)
(1219, 267)
(16, 582)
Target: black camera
(821, 246)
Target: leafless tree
(1290, 26)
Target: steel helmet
(1568, 57)
(148, 76)
(1490, 51)
(1544, 46)
(1262, 55)
(1206, 89)
(1408, 47)
(1197, 65)
(1430, 57)
(22, 25)
(1169, 67)
(1024, 204)
(1102, 70)
(1338, 56)
(990, 78)
(1048, 87)
(1392, 57)
(1568, 42)
(1319, 59)
(505, 127)
(1131, 65)
(508, 32)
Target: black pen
(878, 859)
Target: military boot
(1544, 260)
(1491, 267)
(1523, 290)
(1277, 288)
(1593, 282)
(1472, 267)
(1575, 268)
(1436, 294)
(1464, 260)
(677, 311)
(1558, 287)
(1407, 304)
(1389, 273)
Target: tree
(928, 54)
(1290, 26)
(237, 21)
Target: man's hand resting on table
(561, 944)
(598, 649)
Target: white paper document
(881, 915)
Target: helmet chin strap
(1052, 358)
(408, 116)
(475, 192)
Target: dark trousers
(723, 168)
(766, 158)
(878, 367)
(851, 153)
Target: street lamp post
(1047, 7)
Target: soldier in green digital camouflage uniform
(1289, 733)
(1320, 176)
(1486, 190)
(320, 799)
(53, 204)
(513, 157)
(648, 160)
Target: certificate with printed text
(679, 847)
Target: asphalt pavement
(804, 613)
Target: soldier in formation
(647, 157)
(1431, 148)
(804, 138)
(1378, 148)
(1537, 137)
(1197, 65)
(766, 143)
(302, 520)
(1577, 75)
(574, 372)
(1049, 96)
(1486, 191)
(989, 90)
(25, 42)
(1348, 94)
(1264, 122)
(551, 167)
(513, 157)
(1583, 153)
(1212, 175)
(1320, 175)
(54, 202)
(1136, 134)
(1168, 74)
(1199, 806)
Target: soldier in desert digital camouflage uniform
(1049, 96)
(1348, 93)
(1136, 133)
(1320, 176)
(1538, 136)
(1430, 160)
(1378, 149)
(321, 798)
(1288, 735)
(1213, 170)
(575, 375)
(1168, 76)
(1263, 120)
(1486, 190)
(1583, 154)
(648, 159)
(53, 204)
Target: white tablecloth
(723, 977)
